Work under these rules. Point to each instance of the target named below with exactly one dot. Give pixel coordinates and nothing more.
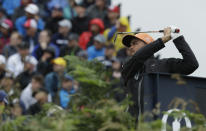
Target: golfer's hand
(167, 35)
(167, 31)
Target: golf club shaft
(160, 31)
(136, 32)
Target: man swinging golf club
(143, 47)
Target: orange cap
(141, 36)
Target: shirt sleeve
(188, 63)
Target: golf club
(174, 30)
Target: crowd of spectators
(35, 35)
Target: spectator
(27, 94)
(31, 12)
(19, 11)
(117, 81)
(108, 57)
(88, 3)
(72, 48)
(3, 103)
(2, 14)
(81, 21)
(20, 61)
(8, 85)
(69, 10)
(96, 26)
(60, 38)
(56, 16)
(17, 108)
(60, 3)
(31, 33)
(44, 43)
(3, 98)
(5, 30)
(41, 98)
(83, 55)
(122, 25)
(43, 10)
(98, 48)
(2, 66)
(116, 69)
(10, 6)
(98, 10)
(53, 79)
(45, 62)
(11, 48)
(66, 90)
(112, 16)
(24, 78)
(124, 54)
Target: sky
(188, 15)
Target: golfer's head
(136, 42)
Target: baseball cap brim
(127, 39)
(30, 11)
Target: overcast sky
(188, 15)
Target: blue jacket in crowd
(65, 97)
(61, 3)
(52, 83)
(20, 25)
(10, 5)
(93, 52)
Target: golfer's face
(136, 45)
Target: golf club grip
(173, 31)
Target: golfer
(143, 47)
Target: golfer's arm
(136, 62)
(189, 63)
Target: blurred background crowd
(35, 35)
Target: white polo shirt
(26, 96)
(15, 64)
